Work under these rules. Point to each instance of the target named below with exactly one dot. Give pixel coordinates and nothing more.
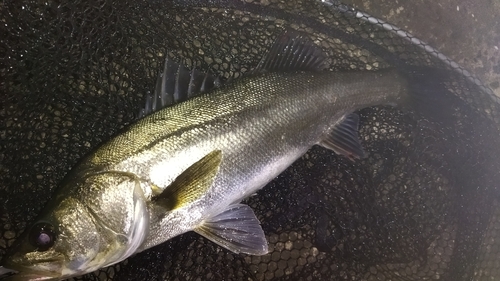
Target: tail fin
(429, 93)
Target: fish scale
(186, 167)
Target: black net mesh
(422, 206)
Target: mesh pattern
(421, 206)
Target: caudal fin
(428, 92)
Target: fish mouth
(28, 274)
(23, 272)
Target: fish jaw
(26, 270)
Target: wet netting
(423, 204)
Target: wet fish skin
(255, 122)
(187, 167)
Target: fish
(187, 163)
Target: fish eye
(42, 236)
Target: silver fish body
(261, 125)
(187, 167)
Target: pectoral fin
(236, 229)
(344, 139)
(192, 183)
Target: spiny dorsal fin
(293, 51)
(177, 84)
(344, 139)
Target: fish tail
(428, 94)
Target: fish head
(75, 236)
(65, 243)
(61, 244)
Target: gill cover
(123, 226)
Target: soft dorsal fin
(293, 51)
(177, 84)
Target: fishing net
(423, 204)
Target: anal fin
(344, 138)
(237, 229)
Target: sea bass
(188, 166)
